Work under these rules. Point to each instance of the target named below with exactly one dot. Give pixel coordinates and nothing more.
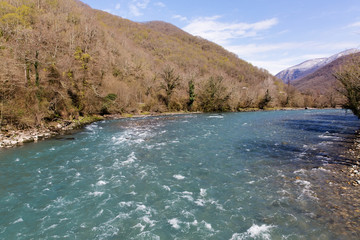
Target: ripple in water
(205, 176)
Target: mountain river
(256, 175)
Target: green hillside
(60, 59)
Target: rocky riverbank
(352, 169)
(11, 137)
(339, 192)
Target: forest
(61, 60)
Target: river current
(199, 176)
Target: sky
(270, 34)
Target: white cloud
(160, 4)
(222, 32)
(134, 10)
(262, 55)
(179, 17)
(141, 4)
(268, 55)
(354, 25)
(273, 67)
(252, 49)
(248, 50)
(118, 6)
(137, 5)
(279, 56)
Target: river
(256, 175)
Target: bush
(349, 78)
(214, 97)
(265, 101)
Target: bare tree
(170, 81)
(349, 78)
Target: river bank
(13, 137)
(337, 189)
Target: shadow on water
(334, 129)
(315, 126)
(324, 123)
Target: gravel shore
(340, 193)
(12, 138)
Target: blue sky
(271, 34)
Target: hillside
(323, 80)
(60, 59)
(303, 69)
(322, 84)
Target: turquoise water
(201, 176)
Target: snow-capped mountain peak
(310, 66)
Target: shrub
(215, 96)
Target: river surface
(202, 176)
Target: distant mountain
(322, 80)
(303, 69)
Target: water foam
(306, 191)
(202, 192)
(254, 232)
(99, 213)
(167, 188)
(216, 116)
(188, 196)
(207, 226)
(18, 221)
(139, 225)
(175, 223)
(200, 202)
(132, 136)
(147, 220)
(143, 209)
(101, 183)
(96, 194)
(178, 177)
(148, 235)
(126, 204)
(131, 159)
(327, 135)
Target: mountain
(322, 80)
(310, 66)
(61, 59)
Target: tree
(215, 97)
(171, 81)
(349, 79)
(265, 101)
(191, 93)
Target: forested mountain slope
(323, 79)
(60, 59)
(306, 68)
(322, 82)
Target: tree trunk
(36, 66)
